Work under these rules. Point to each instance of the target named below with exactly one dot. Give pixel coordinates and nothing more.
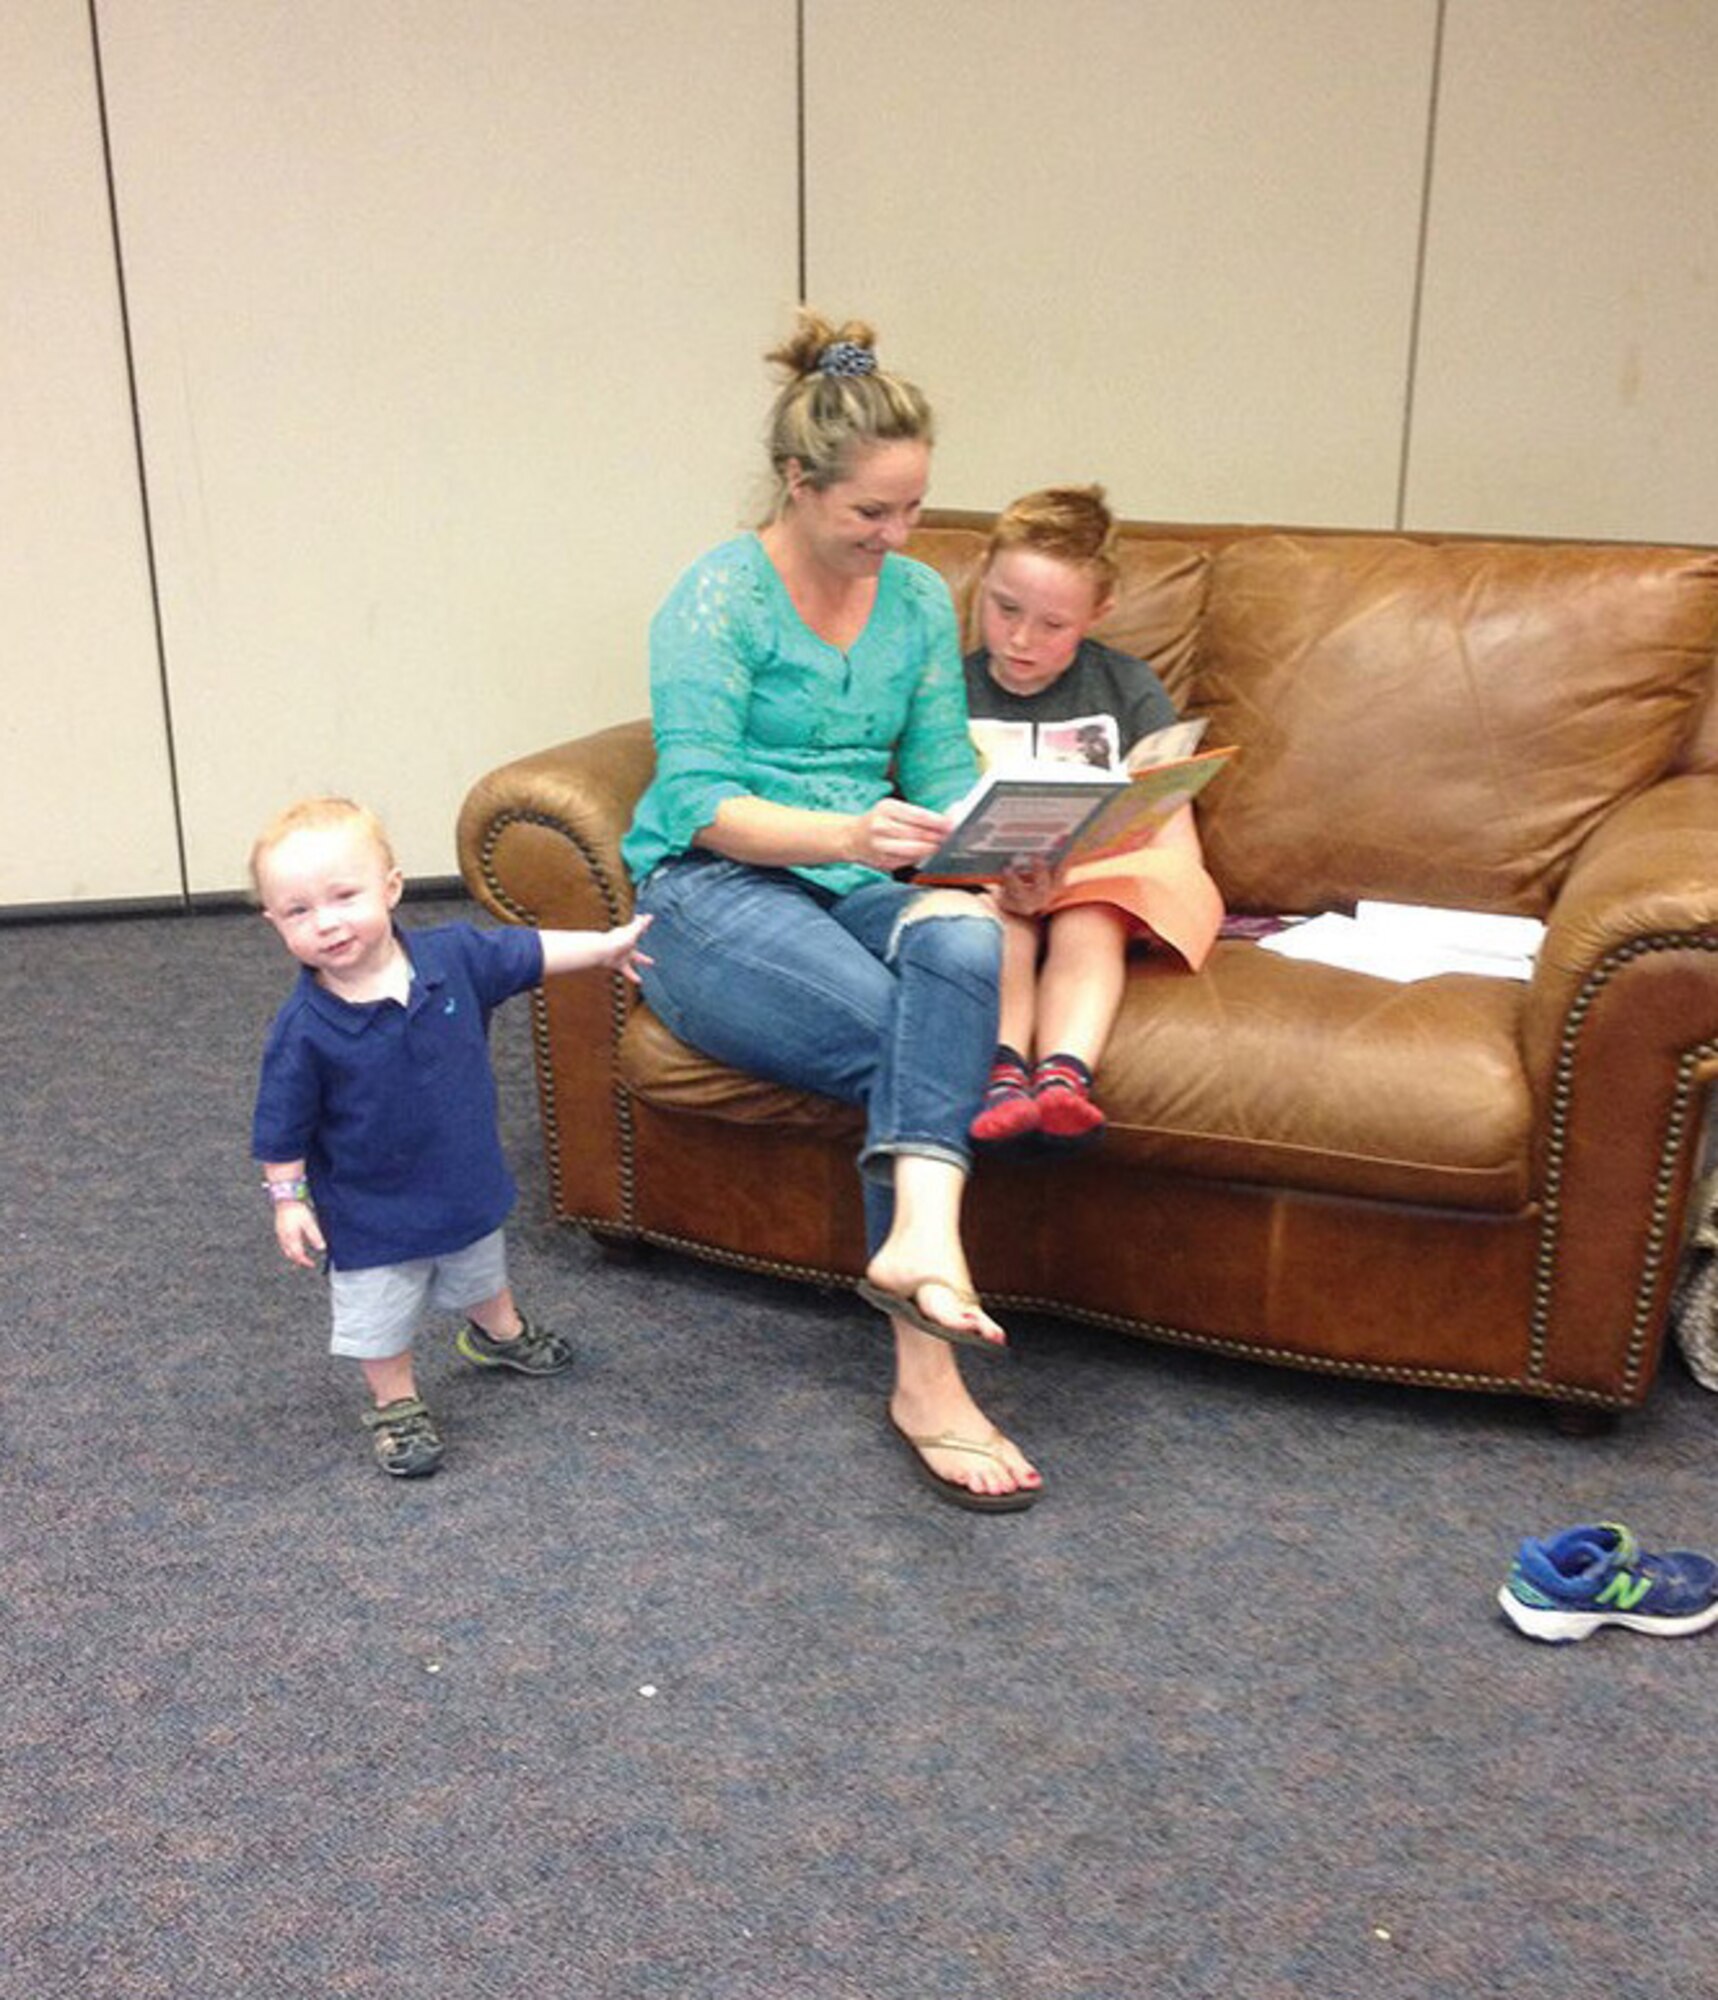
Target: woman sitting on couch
(810, 723)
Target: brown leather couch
(1470, 1182)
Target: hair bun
(846, 357)
(837, 400)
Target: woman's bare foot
(926, 1270)
(920, 1266)
(939, 1306)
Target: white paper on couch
(1409, 941)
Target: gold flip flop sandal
(952, 1490)
(905, 1305)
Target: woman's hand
(895, 834)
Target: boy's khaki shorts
(377, 1311)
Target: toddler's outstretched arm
(296, 1229)
(583, 951)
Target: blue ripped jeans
(780, 978)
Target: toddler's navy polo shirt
(393, 1108)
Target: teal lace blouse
(747, 701)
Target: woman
(810, 721)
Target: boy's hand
(620, 948)
(1026, 888)
(585, 951)
(297, 1232)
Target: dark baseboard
(436, 888)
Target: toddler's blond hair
(317, 816)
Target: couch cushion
(665, 1071)
(1261, 1068)
(1438, 722)
(956, 554)
(1256, 1069)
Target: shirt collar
(355, 1017)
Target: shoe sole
(1559, 1627)
(421, 1470)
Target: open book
(1064, 814)
(1022, 749)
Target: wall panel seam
(140, 459)
(1427, 167)
(800, 137)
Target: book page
(1167, 745)
(1047, 817)
(1086, 743)
(1092, 742)
(1001, 746)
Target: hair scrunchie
(846, 357)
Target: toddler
(376, 1117)
(1049, 576)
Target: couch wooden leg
(1576, 1420)
(616, 1247)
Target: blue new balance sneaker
(1569, 1585)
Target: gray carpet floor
(675, 1682)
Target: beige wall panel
(448, 321)
(1568, 376)
(1170, 244)
(86, 809)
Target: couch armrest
(539, 839)
(539, 844)
(1620, 1036)
(1647, 880)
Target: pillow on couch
(1438, 722)
(1159, 603)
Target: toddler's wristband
(279, 1191)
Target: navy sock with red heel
(1010, 1111)
(1062, 1090)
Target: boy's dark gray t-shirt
(1102, 680)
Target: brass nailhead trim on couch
(1675, 1134)
(1240, 1350)
(539, 1013)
